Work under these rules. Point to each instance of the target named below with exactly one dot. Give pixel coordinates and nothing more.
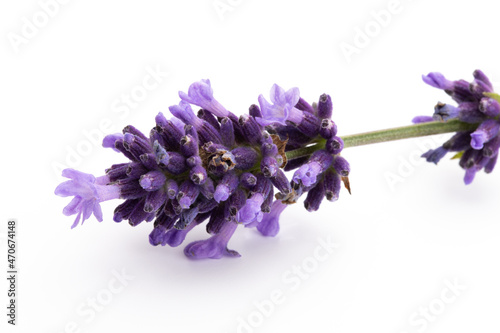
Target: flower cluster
(215, 166)
(477, 104)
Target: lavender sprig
(214, 166)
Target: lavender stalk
(391, 134)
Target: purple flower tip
(152, 180)
(208, 249)
(221, 193)
(307, 174)
(200, 93)
(184, 112)
(437, 80)
(109, 141)
(88, 192)
(161, 155)
(185, 202)
(175, 237)
(161, 120)
(251, 211)
(282, 109)
(215, 247)
(478, 138)
(489, 106)
(435, 155)
(269, 226)
(486, 131)
(156, 236)
(422, 119)
(444, 112)
(469, 175)
(201, 89)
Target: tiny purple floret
(88, 192)
(215, 247)
(200, 93)
(282, 109)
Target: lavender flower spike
(215, 247)
(477, 149)
(88, 192)
(282, 109)
(217, 166)
(200, 93)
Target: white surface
(397, 246)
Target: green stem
(391, 134)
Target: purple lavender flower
(175, 237)
(88, 192)
(269, 226)
(308, 173)
(477, 149)
(283, 107)
(215, 247)
(422, 119)
(212, 165)
(437, 80)
(226, 187)
(251, 211)
(200, 93)
(484, 133)
(489, 107)
(153, 180)
(444, 112)
(109, 141)
(435, 155)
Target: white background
(400, 243)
